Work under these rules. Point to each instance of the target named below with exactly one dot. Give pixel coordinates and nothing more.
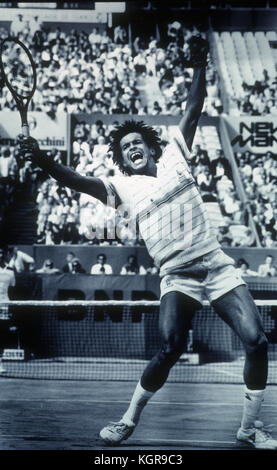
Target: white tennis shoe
(258, 436)
(115, 433)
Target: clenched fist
(198, 51)
(29, 148)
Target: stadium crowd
(259, 175)
(260, 98)
(101, 71)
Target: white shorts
(205, 278)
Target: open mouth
(135, 157)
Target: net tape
(107, 303)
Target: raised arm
(188, 124)
(63, 174)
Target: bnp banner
(47, 131)
(255, 133)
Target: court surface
(67, 415)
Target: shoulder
(176, 148)
(113, 183)
(119, 188)
(175, 155)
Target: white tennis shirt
(168, 209)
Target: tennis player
(158, 186)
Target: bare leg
(237, 309)
(176, 312)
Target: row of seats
(243, 57)
(208, 139)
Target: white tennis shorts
(205, 278)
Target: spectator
(199, 156)
(132, 267)
(152, 269)
(120, 35)
(243, 268)
(206, 184)
(67, 268)
(101, 267)
(19, 261)
(35, 25)
(77, 268)
(267, 269)
(6, 163)
(17, 25)
(220, 166)
(241, 235)
(46, 236)
(48, 268)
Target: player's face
(136, 153)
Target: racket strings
(18, 69)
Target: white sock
(138, 402)
(251, 407)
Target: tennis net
(113, 340)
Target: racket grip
(25, 130)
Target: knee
(257, 345)
(172, 350)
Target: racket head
(19, 73)
(18, 68)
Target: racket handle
(25, 130)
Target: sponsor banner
(48, 132)
(255, 133)
(88, 285)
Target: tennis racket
(19, 73)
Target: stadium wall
(240, 19)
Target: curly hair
(149, 135)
